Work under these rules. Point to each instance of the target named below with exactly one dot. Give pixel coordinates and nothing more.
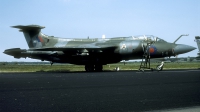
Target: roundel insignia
(123, 46)
(40, 39)
(152, 50)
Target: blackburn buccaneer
(93, 53)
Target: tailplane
(33, 35)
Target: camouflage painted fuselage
(99, 51)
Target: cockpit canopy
(147, 38)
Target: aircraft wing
(82, 48)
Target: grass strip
(71, 68)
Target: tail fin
(33, 35)
(198, 43)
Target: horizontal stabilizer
(28, 27)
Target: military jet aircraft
(93, 53)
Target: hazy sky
(167, 19)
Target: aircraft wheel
(98, 68)
(89, 68)
(86, 68)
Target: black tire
(98, 68)
(89, 68)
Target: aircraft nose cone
(181, 48)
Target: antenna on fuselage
(103, 36)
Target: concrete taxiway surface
(102, 91)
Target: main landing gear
(91, 67)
